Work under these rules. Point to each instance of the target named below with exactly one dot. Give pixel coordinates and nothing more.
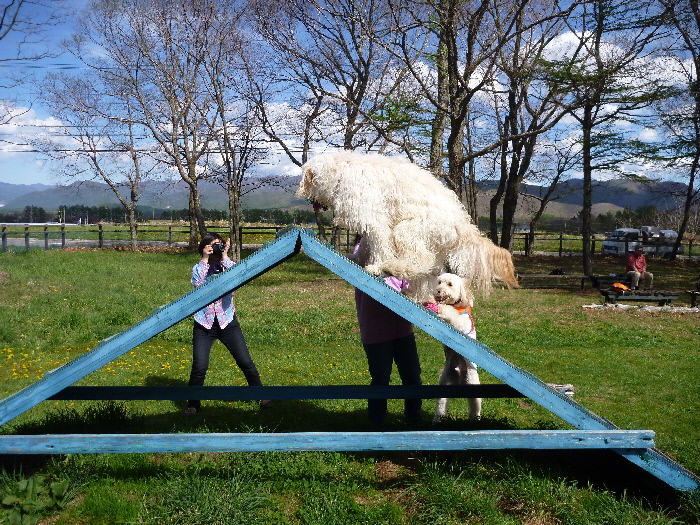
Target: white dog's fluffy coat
(454, 306)
(412, 226)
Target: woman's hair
(214, 258)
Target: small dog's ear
(466, 295)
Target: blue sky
(17, 164)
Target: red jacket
(636, 264)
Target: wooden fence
(48, 236)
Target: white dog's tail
(482, 262)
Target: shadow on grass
(597, 468)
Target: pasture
(638, 369)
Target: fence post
(46, 238)
(63, 236)
(561, 243)
(4, 238)
(170, 235)
(593, 245)
(26, 238)
(100, 236)
(240, 239)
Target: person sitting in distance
(637, 269)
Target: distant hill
(10, 192)
(278, 193)
(272, 193)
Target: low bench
(662, 298)
(605, 281)
(694, 297)
(545, 280)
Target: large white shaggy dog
(412, 226)
(454, 302)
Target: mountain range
(265, 193)
(278, 193)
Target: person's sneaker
(265, 403)
(191, 411)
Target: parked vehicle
(656, 242)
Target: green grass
(638, 369)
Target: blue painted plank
(161, 319)
(317, 441)
(246, 393)
(556, 402)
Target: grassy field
(638, 369)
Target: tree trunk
(234, 221)
(319, 223)
(687, 205)
(470, 195)
(437, 129)
(587, 130)
(497, 196)
(194, 238)
(133, 228)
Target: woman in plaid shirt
(217, 321)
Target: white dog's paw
(440, 409)
(448, 313)
(397, 268)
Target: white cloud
(648, 135)
(24, 124)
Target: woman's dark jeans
(380, 357)
(232, 338)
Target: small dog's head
(451, 289)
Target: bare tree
(155, 53)
(24, 28)
(551, 164)
(92, 143)
(608, 74)
(330, 60)
(531, 108)
(680, 114)
(465, 43)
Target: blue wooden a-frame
(592, 431)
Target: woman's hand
(206, 252)
(228, 247)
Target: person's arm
(199, 273)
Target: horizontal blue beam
(326, 441)
(247, 393)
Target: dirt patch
(388, 471)
(4, 277)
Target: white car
(625, 240)
(622, 240)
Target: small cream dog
(413, 227)
(454, 302)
